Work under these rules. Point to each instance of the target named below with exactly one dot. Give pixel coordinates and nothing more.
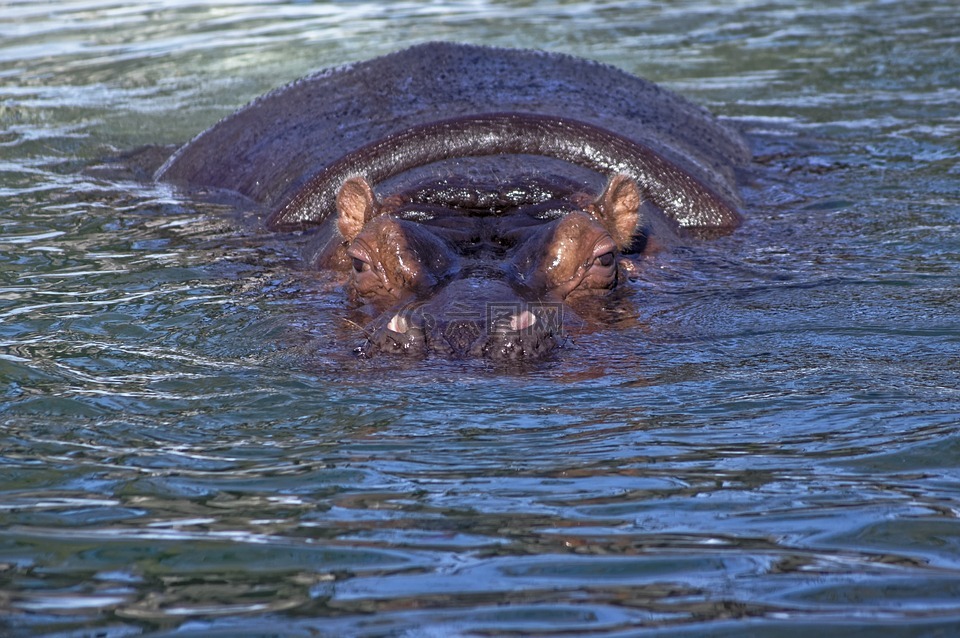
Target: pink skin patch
(522, 321)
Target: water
(767, 445)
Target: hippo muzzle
(471, 318)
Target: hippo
(479, 201)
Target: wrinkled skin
(473, 197)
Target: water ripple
(767, 444)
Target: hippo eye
(360, 265)
(605, 260)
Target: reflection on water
(188, 446)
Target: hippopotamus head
(468, 282)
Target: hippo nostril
(523, 321)
(398, 324)
(403, 333)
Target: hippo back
(270, 148)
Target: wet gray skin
(471, 194)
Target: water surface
(766, 444)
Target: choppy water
(768, 445)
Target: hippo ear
(356, 205)
(618, 209)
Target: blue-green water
(768, 445)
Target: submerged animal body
(474, 196)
